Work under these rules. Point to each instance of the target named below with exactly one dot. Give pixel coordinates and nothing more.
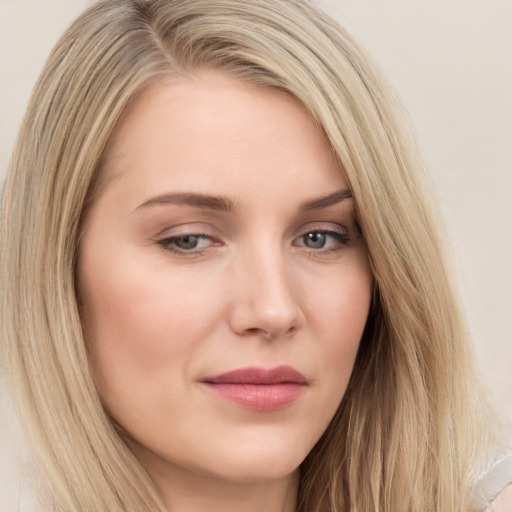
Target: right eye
(190, 243)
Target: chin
(260, 461)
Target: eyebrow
(325, 201)
(204, 201)
(223, 204)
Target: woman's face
(223, 281)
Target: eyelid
(167, 244)
(326, 227)
(342, 238)
(340, 234)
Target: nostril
(256, 331)
(269, 334)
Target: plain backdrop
(451, 63)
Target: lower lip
(260, 397)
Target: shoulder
(502, 502)
(495, 486)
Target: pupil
(187, 242)
(315, 240)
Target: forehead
(209, 130)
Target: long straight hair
(413, 430)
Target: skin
(275, 279)
(503, 502)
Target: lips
(257, 388)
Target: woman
(223, 284)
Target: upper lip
(257, 375)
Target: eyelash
(341, 239)
(169, 244)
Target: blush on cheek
(138, 326)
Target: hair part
(412, 432)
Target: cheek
(140, 321)
(340, 307)
(338, 316)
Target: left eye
(322, 239)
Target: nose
(265, 298)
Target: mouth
(257, 388)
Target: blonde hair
(413, 430)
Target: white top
(496, 486)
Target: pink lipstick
(257, 388)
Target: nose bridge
(266, 302)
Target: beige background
(451, 62)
